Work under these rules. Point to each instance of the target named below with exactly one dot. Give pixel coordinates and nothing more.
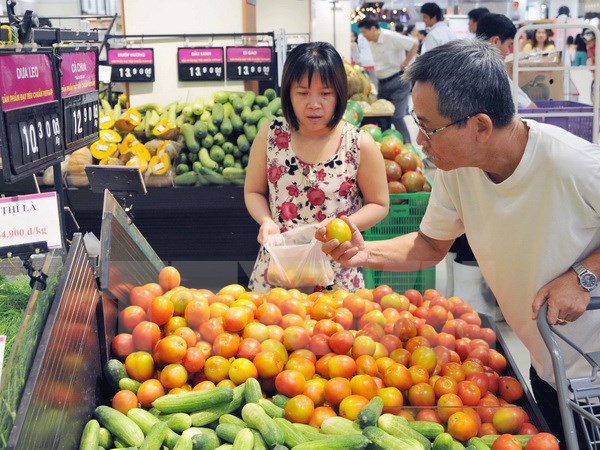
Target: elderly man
(525, 194)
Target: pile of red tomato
(427, 356)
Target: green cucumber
(369, 414)
(193, 400)
(145, 420)
(121, 426)
(90, 438)
(244, 440)
(257, 418)
(155, 437)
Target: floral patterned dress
(302, 193)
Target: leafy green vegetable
(14, 296)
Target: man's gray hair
(469, 77)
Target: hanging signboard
(79, 92)
(30, 218)
(131, 64)
(30, 116)
(249, 63)
(200, 64)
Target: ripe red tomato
(130, 317)
(290, 382)
(506, 442)
(542, 441)
(161, 309)
(124, 400)
(194, 359)
(169, 278)
(145, 335)
(141, 296)
(509, 389)
(149, 391)
(170, 349)
(122, 345)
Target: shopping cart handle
(594, 303)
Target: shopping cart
(578, 396)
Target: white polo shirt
(389, 52)
(439, 34)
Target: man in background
(439, 33)
(500, 31)
(392, 52)
(474, 16)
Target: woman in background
(540, 42)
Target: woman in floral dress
(312, 166)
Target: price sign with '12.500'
(79, 92)
(30, 128)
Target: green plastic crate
(406, 212)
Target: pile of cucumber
(240, 418)
(217, 136)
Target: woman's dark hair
(319, 58)
(432, 10)
(409, 28)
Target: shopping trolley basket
(578, 396)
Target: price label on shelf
(30, 124)
(79, 92)
(30, 218)
(249, 63)
(131, 64)
(201, 64)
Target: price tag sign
(30, 218)
(201, 64)
(30, 124)
(79, 92)
(131, 64)
(249, 63)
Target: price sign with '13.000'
(79, 93)
(30, 128)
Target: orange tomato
(196, 312)
(124, 400)
(364, 385)
(341, 342)
(424, 356)
(506, 442)
(180, 301)
(469, 393)
(508, 419)
(130, 317)
(295, 337)
(169, 278)
(170, 349)
(149, 391)
(542, 441)
(226, 344)
(236, 318)
(447, 405)
(299, 409)
(342, 366)
(216, 368)
(141, 296)
(305, 366)
(336, 390)
(445, 385)
(350, 406)
(290, 382)
(320, 414)
(173, 376)
(315, 389)
(367, 365)
(194, 359)
(421, 394)
(241, 369)
(188, 335)
(393, 399)
(268, 363)
(397, 375)
(461, 426)
(145, 335)
(338, 229)
(160, 310)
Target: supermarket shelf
(208, 223)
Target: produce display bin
(63, 380)
(574, 117)
(406, 212)
(25, 343)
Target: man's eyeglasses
(429, 133)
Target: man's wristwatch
(587, 279)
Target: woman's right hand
(267, 229)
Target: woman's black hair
(319, 58)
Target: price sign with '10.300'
(79, 93)
(30, 127)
